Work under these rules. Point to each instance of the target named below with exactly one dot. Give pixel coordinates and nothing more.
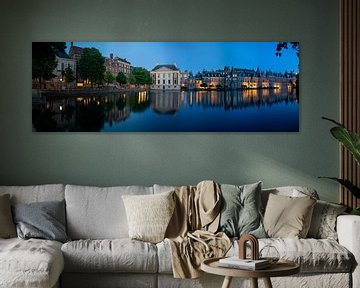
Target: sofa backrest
(293, 191)
(163, 188)
(98, 212)
(36, 193)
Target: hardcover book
(236, 262)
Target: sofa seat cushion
(115, 255)
(313, 255)
(30, 263)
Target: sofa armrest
(348, 230)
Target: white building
(63, 62)
(165, 77)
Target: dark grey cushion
(44, 220)
(240, 213)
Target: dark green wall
(171, 158)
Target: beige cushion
(7, 226)
(110, 255)
(293, 191)
(287, 217)
(149, 215)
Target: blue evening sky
(197, 56)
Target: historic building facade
(117, 64)
(165, 77)
(63, 62)
(75, 53)
(239, 78)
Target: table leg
(267, 283)
(227, 282)
(254, 282)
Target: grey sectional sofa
(101, 254)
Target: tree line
(91, 67)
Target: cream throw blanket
(191, 231)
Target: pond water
(259, 110)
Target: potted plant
(351, 141)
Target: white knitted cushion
(149, 215)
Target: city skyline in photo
(199, 56)
(135, 86)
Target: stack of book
(248, 264)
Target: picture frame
(165, 86)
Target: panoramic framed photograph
(165, 86)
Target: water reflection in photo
(170, 111)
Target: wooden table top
(281, 268)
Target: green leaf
(355, 211)
(348, 138)
(347, 184)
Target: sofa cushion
(7, 226)
(164, 257)
(313, 255)
(36, 193)
(291, 191)
(287, 216)
(323, 222)
(149, 215)
(98, 213)
(240, 210)
(43, 220)
(30, 263)
(116, 255)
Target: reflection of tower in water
(142, 97)
(251, 95)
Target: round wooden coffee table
(281, 268)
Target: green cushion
(240, 213)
